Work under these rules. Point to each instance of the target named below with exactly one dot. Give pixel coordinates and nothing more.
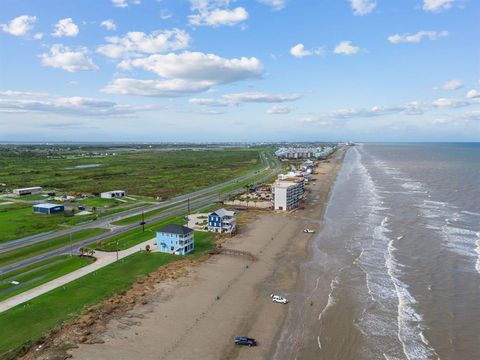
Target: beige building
(28, 191)
(287, 194)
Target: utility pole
(117, 250)
(71, 245)
(188, 205)
(143, 221)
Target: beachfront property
(113, 194)
(175, 239)
(48, 208)
(287, 193)
(305, 152)
(28, 191)
(222, 221)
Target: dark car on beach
(243, 340)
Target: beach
(198, 315)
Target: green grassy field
(18, 220)
(40, 273)
(133, 237)
(152, 173)
(27, 323)
(25, 252)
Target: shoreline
(182, 318)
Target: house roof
(223, 212)
(175, 229)
(47, 206)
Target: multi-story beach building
(287, 193)
(222, 221)
(175, 239)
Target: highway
(105, 222)
(198, 200)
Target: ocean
(398, 257)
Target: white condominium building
(287, 194)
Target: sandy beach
(198, 315)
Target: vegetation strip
(27, 323)
(41, 273)
(26, 252)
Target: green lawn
(148, 214)
(39, 273)
(27, 323)
(32, 197)
(45, 246)
(133, 237)
(18, 220)
(99, 202)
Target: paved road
(105, 222)
(103, 259)
(195, 204)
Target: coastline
(183, 318)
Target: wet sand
(185, 320)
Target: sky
(239, 70)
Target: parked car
(279, 299)
(309, 231)
(244, 340)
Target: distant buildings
(287, 193)
(307, 152)
(222, 221)
(48, 208)
(28, 191)
(175, 239)
(115, 194)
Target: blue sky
(252, 70)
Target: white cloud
(246, 97)
(20, 26)
(120, 3)
(409, 108)
(65, 27)
(215, 13)
(275, 109)
(137, 43)
(38, 36)
(67, 59)
(109, 24)
(452, 85)
(27, 102)
(275, 4)
(437, 5)
(416, 38)
(346, 48)
(450, 103)
(299, 51)
(473, 94)
(197, 66)
(158, 88)
(362, 7)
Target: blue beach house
(175, 239)
(222, 221)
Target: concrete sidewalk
(103, 259)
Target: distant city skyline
(239, 71)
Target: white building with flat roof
(28, 191)
(115, 194)
(287, 194)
